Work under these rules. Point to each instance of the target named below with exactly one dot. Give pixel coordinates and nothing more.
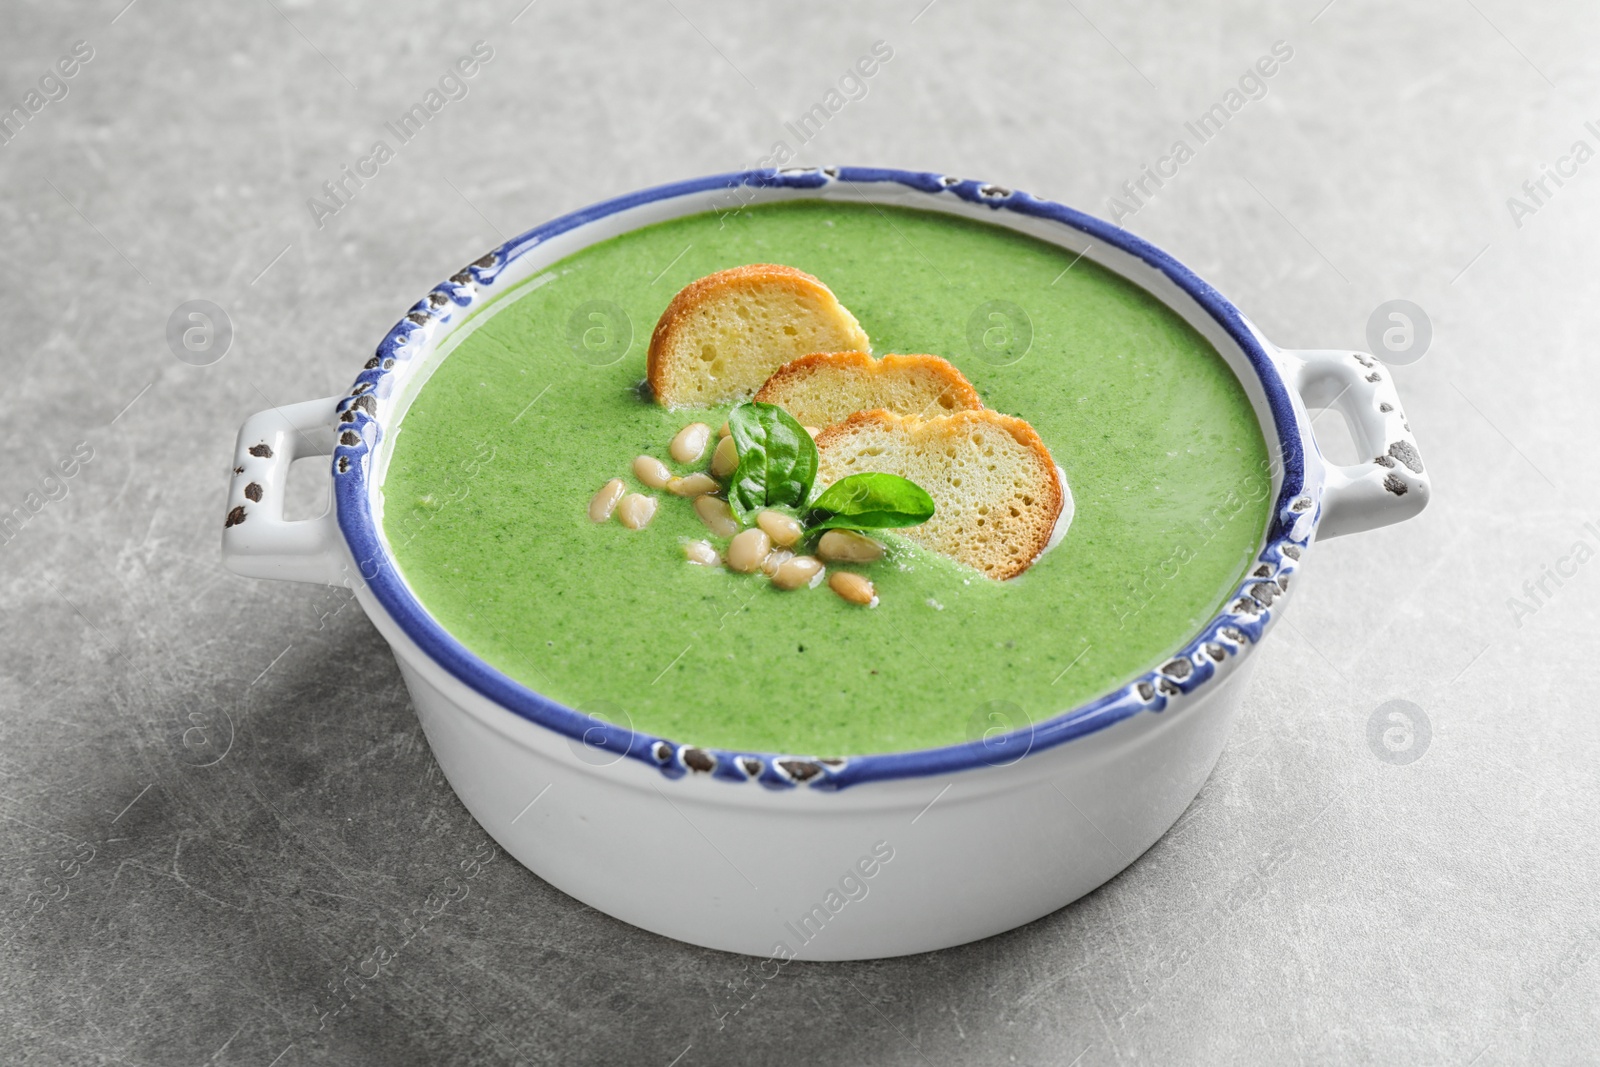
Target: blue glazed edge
(1243, 622)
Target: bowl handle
(256, 539)
(1393, 485)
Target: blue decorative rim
(1241, 623)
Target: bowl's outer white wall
(736, 867)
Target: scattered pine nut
(717, 516)
(847, 546)
(852, 587)
(697, 484)
(636, 510)
(775, 559)
(748, 549)
(652, 472)
(723, 430)
(702, 553)
(793, 573)
(605, 501)
(783, 529)
(690, 443)
(725, 460)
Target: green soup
(539, 404)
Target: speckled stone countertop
(215, 801)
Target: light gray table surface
(1319, 902)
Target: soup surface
(497, 456)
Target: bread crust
(660, 370)
(1031, 533)
(792, 375)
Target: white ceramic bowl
(790, 855)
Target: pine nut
(783, 529)
(696, 484)
(748, 549)
(717, 516)
(605, 501)
(775, 559)
(690, 444)
(847, 546)
(702, 553)
(725, 460)
(636, 510)
(723, 430)
(652, 472)
(794, 573)
(852, 587)
(812, 430)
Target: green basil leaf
(777, 459)
(872, 501)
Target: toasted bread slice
(993, 483)
(723, 335)
(828, 387)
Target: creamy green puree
(494, 464)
